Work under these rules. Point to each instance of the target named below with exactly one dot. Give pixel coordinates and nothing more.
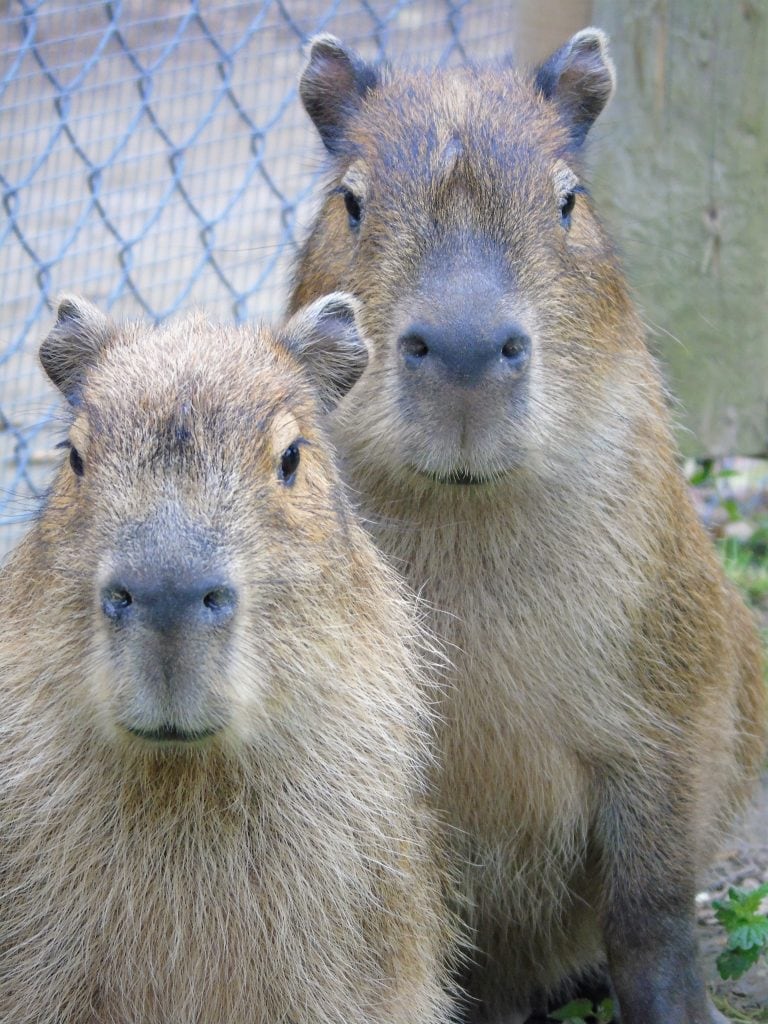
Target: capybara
(213, 745)
(510, 446)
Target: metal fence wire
(154, 156)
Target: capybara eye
(567, 204)
(289, 463)
(76, 462)
(354, 209)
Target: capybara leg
(657, 980)
(647, 908)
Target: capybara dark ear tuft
(332, 86)
(327, 340)
(73, 344)
(579, 78)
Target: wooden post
(680, 170)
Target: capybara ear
(73, 344)
(326, 339)
(332, 86)
(580, 79)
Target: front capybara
(511, 449)
(211, 755)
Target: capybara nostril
(115, 601)
(516, 351)
(221, 601)
(414, 348)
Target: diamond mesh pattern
(155, 156)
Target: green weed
(746, 564)
(747, 930)
(584, 1011)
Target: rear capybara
(212, 753)
(511, 448)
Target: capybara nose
(465, 354)
(167, 603)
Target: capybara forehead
(193, 381)
(475, 116)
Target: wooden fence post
(680, 169)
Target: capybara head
(198, 516)
(457, 212)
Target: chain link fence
(154, 156)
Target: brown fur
(606, 713)
(281, 872)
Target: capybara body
(510, 446)
(212, 753)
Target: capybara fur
(213, 744)
(510, 446)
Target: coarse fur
(606, 717)
(284, 869)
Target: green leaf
(731, 506)
(734, 962)
(701, 475)
(704, 471)
(751, 901)
(752, 933)
(747, 930)
(740, 905)
(727, 917)
(605, 1012)
(573, 1012)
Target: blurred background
(154, 156)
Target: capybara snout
(464, 329)
(166, 625)
(198, 602)
(168, 576)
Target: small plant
(746, 563)
(706, 474)
(747, 930)
(584, 1011)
